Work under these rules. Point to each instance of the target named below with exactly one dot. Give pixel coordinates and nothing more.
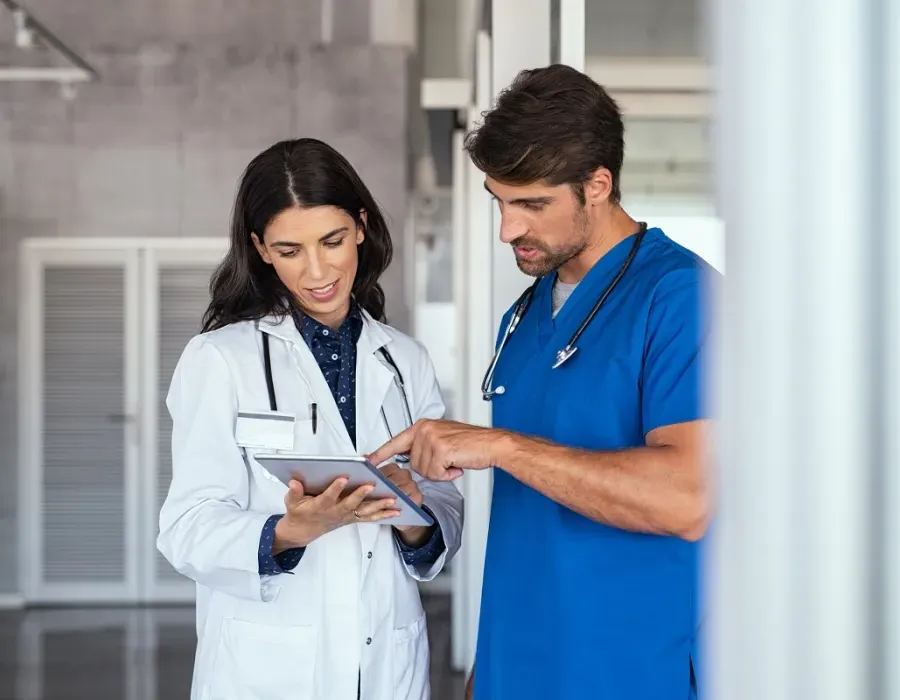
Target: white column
(889, 90)
(459, 629)
(799, 451)
(520, 36)
(572, 33)
(477, 337)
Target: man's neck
(608, 232)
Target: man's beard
(552, 260)
(549, 261)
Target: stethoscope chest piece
(562, 356)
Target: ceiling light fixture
(28, 31)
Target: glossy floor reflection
(139, 654)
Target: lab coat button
(368, 640)
(369, 555)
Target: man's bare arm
(661, 488)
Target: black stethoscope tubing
(398, 380)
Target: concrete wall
(190, 91)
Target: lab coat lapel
(329, 415)
(373, 380)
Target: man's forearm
(658, 490)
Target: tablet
(318, 473)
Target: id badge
(268, 430)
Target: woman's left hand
(403, 480)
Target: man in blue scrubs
(601, 497)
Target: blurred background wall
(191, 90)
(188, 92)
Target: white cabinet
(102, 324)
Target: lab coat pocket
(411, 662)
(304, 441)
(267, 430)
(264, 662)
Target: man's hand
(470, 685)
(440, 449)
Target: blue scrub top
(572, 608)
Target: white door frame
(477, 339)
(35, 259)
(140, 323)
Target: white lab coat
(351, 607)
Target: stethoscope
(521, 308)
(398, 381)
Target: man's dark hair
(553, 124)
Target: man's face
(546, 225)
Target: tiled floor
(139, 654)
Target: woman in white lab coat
(301, 597)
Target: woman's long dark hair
(304, 173)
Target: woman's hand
(309, 517)
(412, 535)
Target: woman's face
(314, 253)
